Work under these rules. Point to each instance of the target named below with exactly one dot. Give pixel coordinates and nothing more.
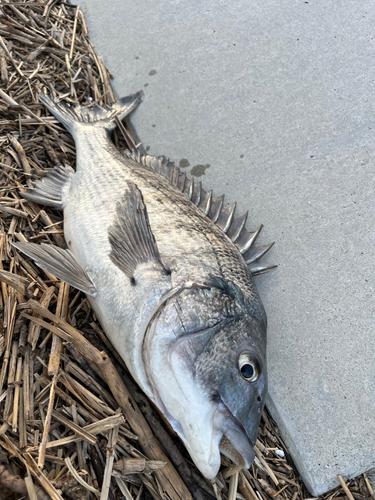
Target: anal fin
(59, 262)
(49, 190)
(130, 236)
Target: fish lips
(244, 422)
(235, 443)
(223, 434)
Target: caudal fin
(74, 117)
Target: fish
(168, 270)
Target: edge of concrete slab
(314, 487)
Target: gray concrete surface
(272, 103)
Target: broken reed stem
(345, 487)
(74, 33)
(4, 289)
(21, 153)
(93, 429)
(17, 384)
(112, 440)
(124, 132)
(7, 98)
(11, 379)
(78, 477)
(30, 486)
(369, 485)
(11, 309)
(245, 487)
(61, 311)
(10, 57)
(265, 465)
(233, 484)
(47, 423)
(34, 327)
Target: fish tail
(75, 117)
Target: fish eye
(249, 367)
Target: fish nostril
(215, 397)
(259, 398)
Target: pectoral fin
(59, 262)
(50, 189)
(131, 238)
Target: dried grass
(73, 425)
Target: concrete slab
(273, 103)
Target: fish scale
(162, 262)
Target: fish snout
(235, 443)
(250, 419)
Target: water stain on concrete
(184, 163)
(152, 72)
(199, 170)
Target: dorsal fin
(213, 207)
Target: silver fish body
(171, 290)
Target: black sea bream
(168, 270)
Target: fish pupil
(247, 370)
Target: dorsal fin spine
(170, 170)
(183, 181)
(215, 217)
(246, 246)
(256, 270)
(175, 175)
(208, 203)
(198, 189)
(240, 227)
(260, 254)
(191, 189)
(230, 218)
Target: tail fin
(74, 117)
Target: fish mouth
(235, 444)
(227, 448)
(224, 434)
(215, 430)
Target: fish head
(233, 369)
(205, 358)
